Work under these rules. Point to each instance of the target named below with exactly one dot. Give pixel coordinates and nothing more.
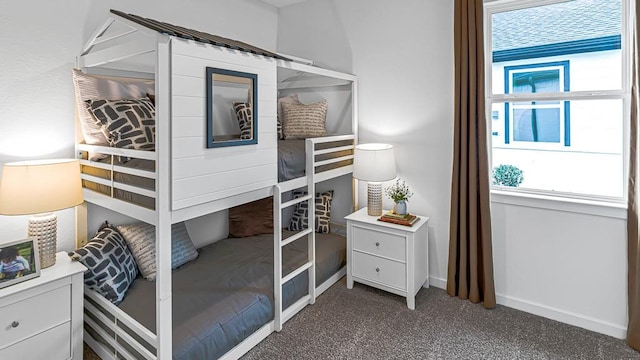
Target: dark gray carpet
(366, 323)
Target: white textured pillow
(141, 239)
(303, 121)
(289, 99)
(89, 87)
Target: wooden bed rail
(125, 337)
(107, 180)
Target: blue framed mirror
(232, 108)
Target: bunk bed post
(80, 210)
(163, 206)
(81, 225)
(277, 258)
(354, 130)
(311, 190)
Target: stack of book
(406, 220)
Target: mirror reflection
(231, 108)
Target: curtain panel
(633, 246)
(470, 271)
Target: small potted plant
(507, 175)
(400, 194)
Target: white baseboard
(548, 312)
(563, 316)
(438, 282)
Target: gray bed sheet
(226, 294)
(291, 159)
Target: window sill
(611, 209)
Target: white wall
(402, 53)
(562, 264)
(565, 265)
(40, 40)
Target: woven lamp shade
(39, 187)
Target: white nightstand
(41, 318)
(391, 257)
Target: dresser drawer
(379, 243)
(52, 344)
(383, 271)
(25, 318)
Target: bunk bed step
(118, 185)
(295, 201)
(330, 174)
(121, 169)
(332, 150)
(295, 237)
(297, 272)
(334, 160)
(107, 150)
(134, 189)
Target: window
(541, 121)
(558, 93)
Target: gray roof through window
(551, 24)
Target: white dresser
(41, 318)
(391, 257)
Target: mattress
(226, 294)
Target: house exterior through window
(537, 121)
(558, 95)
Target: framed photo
(19, 261)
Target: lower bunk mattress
(226, 294)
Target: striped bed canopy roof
(195, 35)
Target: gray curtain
(470, 273)
(633, 248)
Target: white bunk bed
(128, 46)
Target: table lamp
(374, 163)
(40, 187)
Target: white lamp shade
(374, 162)
(33, 187)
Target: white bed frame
(113, 51)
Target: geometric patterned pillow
(323, 212)
(88, 87)
(245, 119)
(111, 268)
(304, 121)
(141, 239)
(279, 127)
(127, 124)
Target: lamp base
(374, 198)
(44, 227)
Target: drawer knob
(377, 244)
(15, 324)
(377, 269)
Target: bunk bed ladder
(280, 243)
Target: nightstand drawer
(379, 270)
(379, 243)
(52, 344)
(32, 315)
